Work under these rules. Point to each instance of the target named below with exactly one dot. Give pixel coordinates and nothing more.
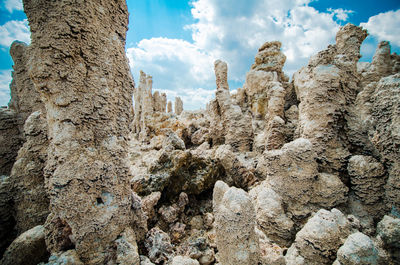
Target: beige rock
(326, 88)
(367, 178)
(270, 253)
(317, 242)
(178, 106)
(159, 101)
(270, 215)
(79, 66)
(238, 172)
(144, 105)
(24, 97)
(389, 231)
(235, 129)
(292, 172)
(29, 248)
(127, 249)
(149, 202)
(235, 221)
(386, 135)
(24, 100)
(169, 107)
(182, 260)
(31, 202)
(158, 245)
(69, 257)
(265, 92)
(358, 249)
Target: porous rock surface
(235, 222)
(299, 172)
(79, 67)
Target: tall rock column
(228, 120)
(78, 65)
(325, 89)
(178, 106)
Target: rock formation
(78, 65)
(159, 101)
(29, 248)
(229, 122)
(300, 172)
(169, 107)
(178, 106)
(30, 198)
(235, 221)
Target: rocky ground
(285, 171)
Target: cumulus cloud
(193, 98)
(340, 13)
(176, 65)
(14, 30)
(233, 33)
(12, 5)
(5, 80)
(385, 26)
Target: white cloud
(233, 33)
(12, 5)
(385, 26)
(193, 98)
(14, 30)
(5, 80)
(176, 65)
(340, 13)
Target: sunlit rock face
(78, 65)
(299, 172)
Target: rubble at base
(282, 172)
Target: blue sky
(177, 41)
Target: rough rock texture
(358, 249)
(150, 188)
(181, 260)
(386, 136)
(78, 65)
(178, 171)
(235, 221)
(69, 257)
(169, 107)
(270, 215)
(24, 97)
(31, 203)
(265, 91)
(366, 176)
(326, 88)
(319, 239)
(178, 106)
(127, 249)
(229, 123)
(24, 100)
(11, 139)
(389, 231)
(143, 105)
(158, 245)
(7, 221)
(29, 248)
(292, 172)
(159, 101)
